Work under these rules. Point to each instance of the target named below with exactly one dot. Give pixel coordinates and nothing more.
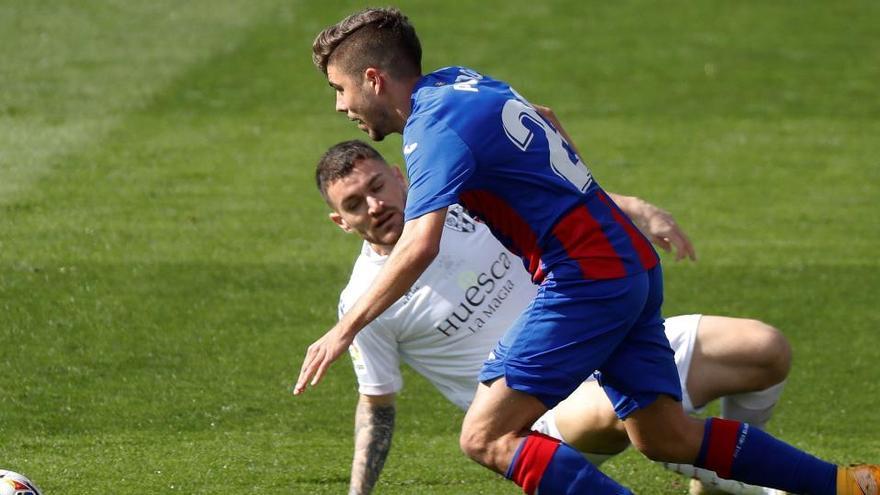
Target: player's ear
(373, 78)
(338, 220)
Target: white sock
(754, 408)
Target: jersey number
(515, 113)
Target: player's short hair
(338, 161)
(375, 37)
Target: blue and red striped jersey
(473, 140)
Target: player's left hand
(659, 225)
(319, 356)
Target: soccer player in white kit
(451, 318)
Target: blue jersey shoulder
(456, 96)
(438, 154)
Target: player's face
(357, 96)
(369, 201)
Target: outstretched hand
(662, 229)
(319, 356)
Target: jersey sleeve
(438, 162)
(376, 361)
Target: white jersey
(448, 322)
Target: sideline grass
(164, 259)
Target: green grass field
(165, 259)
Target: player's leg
(569, 329)
(732, 449)
(718, 356)
(492, 427)
(495, 433)
(635, 376)
(742, 361)
(586, 420)
(746, 362)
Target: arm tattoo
(373, 426)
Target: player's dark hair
(375, 37)
(338, 161)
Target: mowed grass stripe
(218, 166)
(148, 318)
(71, 71)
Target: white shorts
(682, 334)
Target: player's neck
(402, 100)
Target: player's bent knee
(492, 452)
(782, 350)
(475, 444)
(775, 353)
(469, 444)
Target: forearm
(657, 225)
(374, 426)
(637, 209)
(401, 270)
(418, 246)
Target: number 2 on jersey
(513, 115)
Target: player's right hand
(319, 356)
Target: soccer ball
(15, 484)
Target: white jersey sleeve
(375, 357)
(374, 352)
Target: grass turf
(165, 260)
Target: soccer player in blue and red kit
(473, 140)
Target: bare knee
(495, 423)
(491, 451)
(773, 352)
(474, 444)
